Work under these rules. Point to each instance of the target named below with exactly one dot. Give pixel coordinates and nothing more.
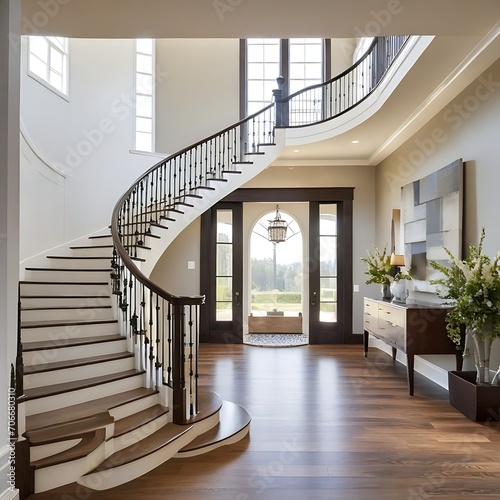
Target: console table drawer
(392, 315)
(393, 334)
(370, 322)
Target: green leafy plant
(402, 275)
(379, 267)
(472, 288)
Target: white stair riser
(88, 301)
(125, 473)
(106, 240)
(58, 333)
(78, 373)
(80, 263)
(68, 472)
(69, 275)
(47, 450)
(136, 406)
(76, 352)
(92, 251)
(206, 449)
(97, 288)
(76, 314)
(135, 436)
(70, 398)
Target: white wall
(199, 94)
(88, 137)
(10, 20)
(43, 202)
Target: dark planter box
(480, 403)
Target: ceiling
(466, 42)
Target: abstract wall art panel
(431, 218)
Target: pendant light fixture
(277, 228)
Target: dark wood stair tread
(87, 409)
(136, 420)
(52, 390)
(63, 283)
(90, 442)
(73, 363)
(208, 404)
(233, 419)
(62, 308)
(65, 322)
(77, 257)
(70, 342)
(63, 297)
(68, 430)
(81, 247)
(70, 269)
(154, 442)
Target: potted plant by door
(472, 287)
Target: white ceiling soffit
(257, 18)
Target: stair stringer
(210, 198)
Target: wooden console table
(413, 329)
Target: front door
(222, 274)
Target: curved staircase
(110, 359)
(89, 415)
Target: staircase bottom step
(131, 463)
(233, 426)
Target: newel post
(281, 107)
(178, 377)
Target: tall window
(306, 62)
(48, 61)
(328, 263)
(224, 267)
(144, 98)
(266, 59)
(263, 67)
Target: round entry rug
(275, 340)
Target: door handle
(237, 295)
(314, 296)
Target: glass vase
(386, 291)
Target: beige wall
(466, 128)
(179, 280)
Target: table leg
(410, 364)
(366, 334)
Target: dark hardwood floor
(326, 424)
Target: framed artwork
(431, 218)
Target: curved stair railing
(324, 101)
(164, 327)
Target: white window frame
(283, 71)
(253, 104)
(141, 92)
(59, 45)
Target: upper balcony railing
(330, 99)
